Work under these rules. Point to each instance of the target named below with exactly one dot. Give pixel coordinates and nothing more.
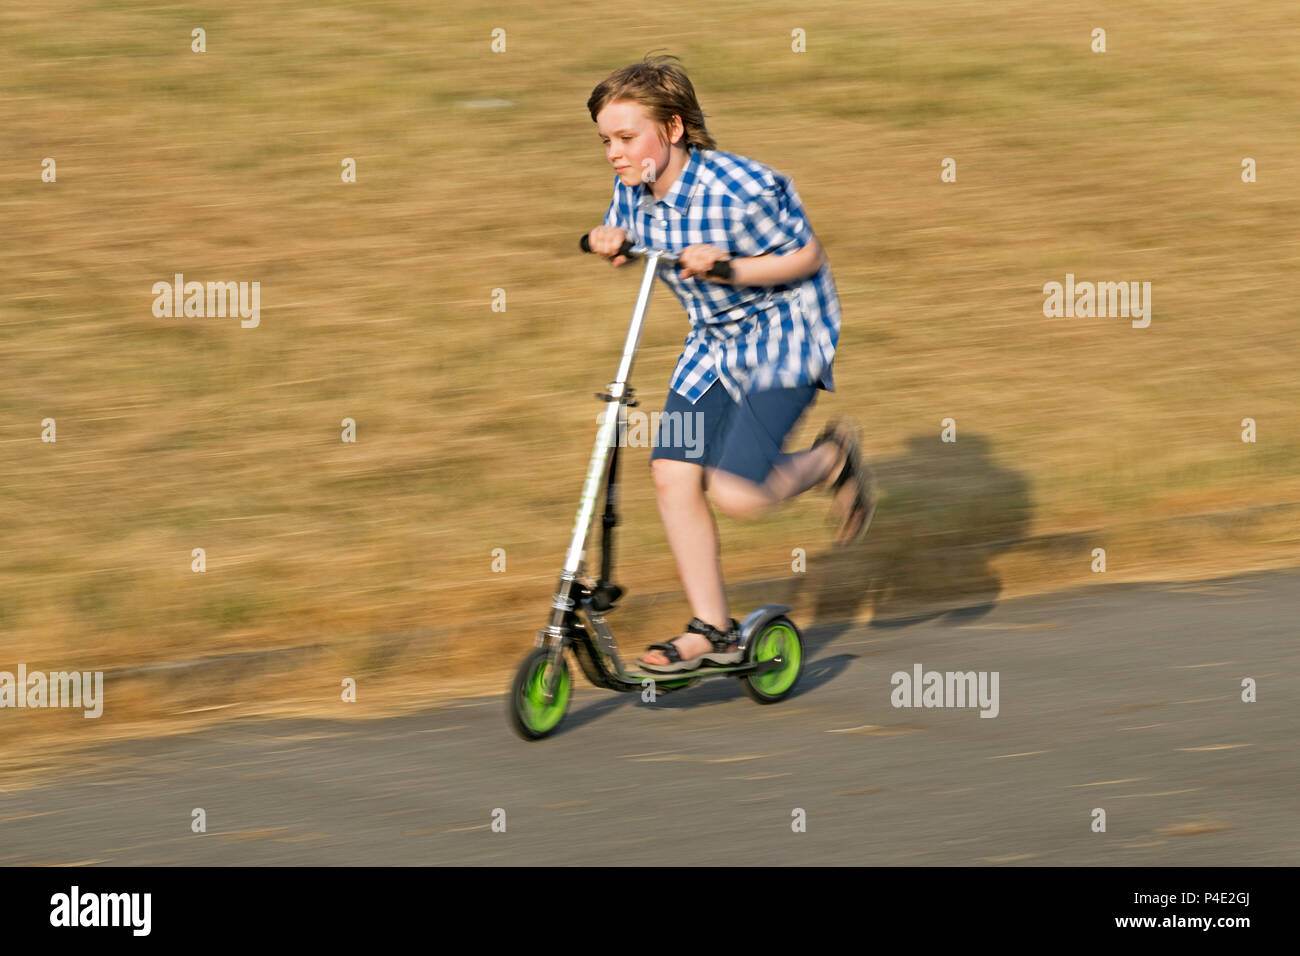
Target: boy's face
(632, 141)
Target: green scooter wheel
(531, 715)
(778, 640)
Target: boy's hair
(664, 90)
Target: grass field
(474, 426)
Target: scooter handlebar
(625, 250)
(720, 269)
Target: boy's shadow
(944, 511)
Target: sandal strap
(719, 639)
(845, 476)
(670, 651)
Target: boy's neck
(677, 159)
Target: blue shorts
(743, 438)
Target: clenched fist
(605, 241)
(698, 259)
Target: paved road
(1125, 698)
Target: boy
(760, 346)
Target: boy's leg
(679, 470)
(693, 537)
(790, 477)
(753, 475)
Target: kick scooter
(771, 645)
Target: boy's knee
(670, 475)
(726, 504)
(735, 498)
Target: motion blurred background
(478, 171)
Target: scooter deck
(704, 670)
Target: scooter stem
(609, 423)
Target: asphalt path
(1126, 699)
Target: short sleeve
(615, 215)
(774, 222)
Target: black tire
(530, 716)
(782, 636)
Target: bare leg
(693, 537)
(792, 475)
(693, 532)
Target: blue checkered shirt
(751, 338)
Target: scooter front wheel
(779, 640)
(531, 714)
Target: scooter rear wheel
(531, 715)
(778, 640)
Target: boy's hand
(605, 241)
(697, 260)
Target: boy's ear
(669, 129)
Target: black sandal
(843, 434)
(721, 640)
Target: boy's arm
(773, 243)
(615, 218)
(766, 270)
(772, 269)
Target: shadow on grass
(946, 510)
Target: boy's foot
(829, 438)
(702, 643)
(851, 483)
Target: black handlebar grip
(624, 250)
